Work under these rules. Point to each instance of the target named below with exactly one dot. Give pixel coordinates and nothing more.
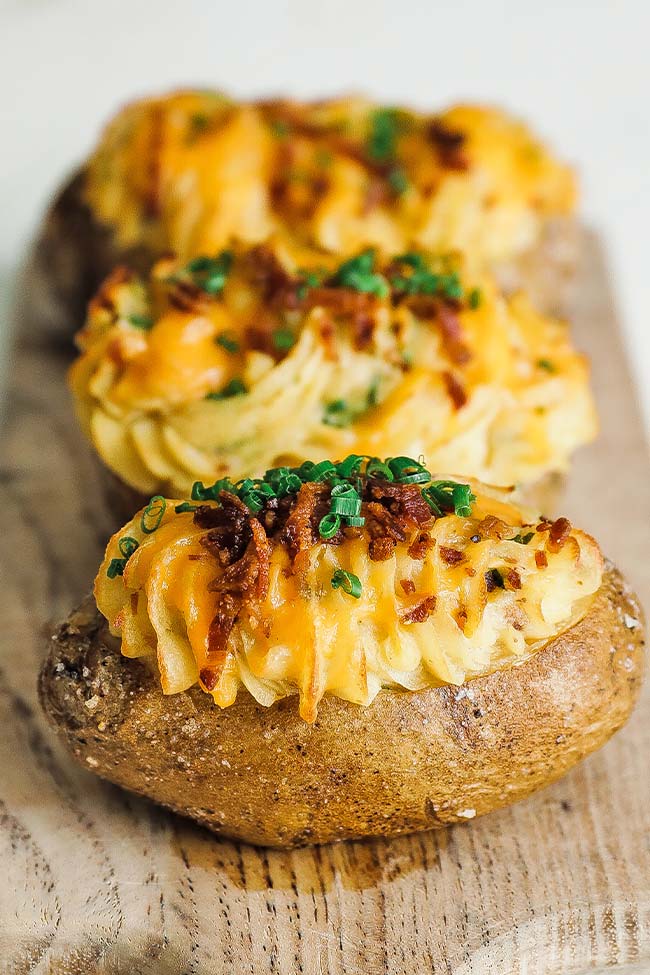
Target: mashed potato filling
(176, 382)
(192, 172)
(408, 599)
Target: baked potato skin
(410, 761)
(74, 253)
(71, 256)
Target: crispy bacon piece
(343, 301)
(558, 534)
(405, 501)
(513, 579)
(229, 528)
(540, 560)
(421, 611)
(381, 549)
(455, 390)
(452, 333)
(209, 678)
(491, 527)
(245, 580)
(449, 145)
(301, 529)
(421, 544)
(408, 586)
(452, 556)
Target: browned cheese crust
(410, 761)
(74, 253)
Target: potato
(409, 761)
(74, 253)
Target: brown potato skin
(74, 252)
(410, 761)
(71, 256)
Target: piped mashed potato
(269, 589)
(193, 172)
(212, 367)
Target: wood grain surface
(96, 880)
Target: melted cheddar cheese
(420, 621)
(192, 172)
(495, 391)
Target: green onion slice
(348, 582)
(153, 514)
(329, 525)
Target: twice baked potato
(211, 367)
(193, 172)
(343, 650)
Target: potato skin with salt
(410, 761)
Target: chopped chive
(116, 568)
(329, 525)
(359, 274)
(348, 582)
(350, 466)
(546, 364)
(227, 342)
(474, 298)
(337, 414)
(185, 506)
(153, 514)
(207, 273)
(283, 339)
(449, 496)
(408, 471)
(398, 181)
(236, 387)
(144, 322)
(523, 539)
(323, 471)
(279, 128)
(127, 545)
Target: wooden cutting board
(96, 880)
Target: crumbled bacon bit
(209, 678)
(491, 527)
(513, 579)
(408, 586)
(301, 529)
(420, 612)
(342, 301)
(405, 501)
(364, 327)
(452, 333)
(558, 534)
(540, 560)
(381, 549)
(229, 529)
(470, 572)
(452, 556)
(455, 390)
(544, 525)
(421, 544)
(376, 194)
(449, 145)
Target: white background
(577, 70)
